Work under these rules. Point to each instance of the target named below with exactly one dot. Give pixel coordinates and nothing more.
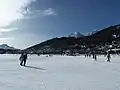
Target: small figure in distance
(95, 57)
(108, 57)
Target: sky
(24, 23)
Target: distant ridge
(6, 49)
(5, 46)
(77, 41)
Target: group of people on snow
(24, 57)
(94, 55)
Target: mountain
(107, 34)
(93, 32)
(5, 49)
(96, 40)
(76, 35)
(5, 46)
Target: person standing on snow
(108, 57)
(95, 57)
(93, 54)
(23, 59)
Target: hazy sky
(27, 22)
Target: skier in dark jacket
(23, 59)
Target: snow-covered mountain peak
(76, 35)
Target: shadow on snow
(33, 67)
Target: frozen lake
(59, 73)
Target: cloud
(3, 37)
(28, 14)
(4, 40)
(7, 30)
(10, 10)
(13, 10)
(49, 12)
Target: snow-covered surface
(59, 73)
